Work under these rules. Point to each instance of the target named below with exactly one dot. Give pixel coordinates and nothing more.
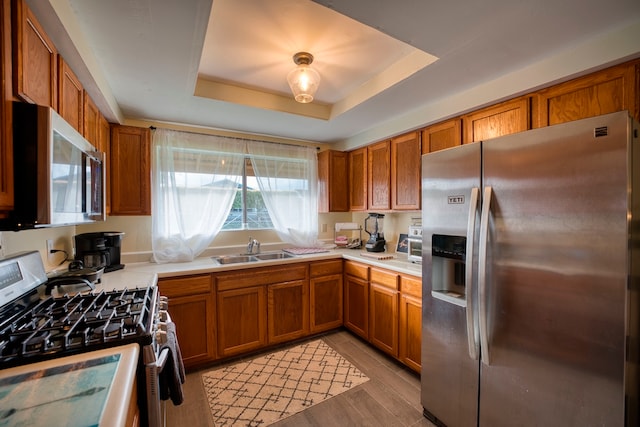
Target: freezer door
(556, 276)
(449, 369)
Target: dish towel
(172, 376)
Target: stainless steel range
(35, 326)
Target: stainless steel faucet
(253, 247)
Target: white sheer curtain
(288, 179)
(195, 178)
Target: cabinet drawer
(411, 286)
(325, 268)
(185, 285)
(357, 270)
(385, 278)
(261, 276)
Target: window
(248, 211)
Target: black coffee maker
(100, 249)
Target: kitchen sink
(234, 259)
(240, 258)
(273, 255)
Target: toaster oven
(414, 253)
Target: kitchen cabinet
(130, 168)
(192, 309)
(406, 167)
(607, 91)
(246, 321)
(379, 176)
(356, 298)
(383, 310)
(70, 92)
(333, 193)
(501, 119)
(91, 121)
(442, 135)
(410, 322)
(287, 311)
(34, 60)
(6, 131)
(326, 295)
(358, 180)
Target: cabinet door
(35, 69)
(6, 131)
(356, 305)
(333, 194)
(69, 95)
(442, 135)
(410, 327)
(406, 177)
(502, 119)
(383, 310)
(288, 311)
(242, 320)
(192, 309)
(326, 302)
(379, 173)
(358, 179)
(130, 171)
(91, 120)
(607, 91)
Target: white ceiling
(142, 59)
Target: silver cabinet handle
(472, 335)
(482, 275)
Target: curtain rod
(236, 137)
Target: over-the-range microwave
(58, 175)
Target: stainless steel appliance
(58, 176)
(531, 266)
(99, 249)
(414, 251)
(373, 225)
(35, 326)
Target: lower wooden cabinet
(383, 311)
(326, 295)
(288, 311)
(410, 323)
(242, 320)
(191, 307)
(356, 298)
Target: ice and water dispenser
(448, 268)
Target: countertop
(85, 389)
(206, 264)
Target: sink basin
(274, 255)
(234, 259)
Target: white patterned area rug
(267, 389)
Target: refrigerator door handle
(482, 275)
(472, 336)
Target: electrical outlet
(50, 255)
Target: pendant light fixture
(303, 80)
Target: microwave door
(66, 203)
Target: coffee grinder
(373, 226)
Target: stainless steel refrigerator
(531, 276)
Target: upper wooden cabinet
(130, 169)
(358, 179)
(6, 132)
(333, 193)
(607, 91)
(498, 120)
(91, 121)
(70, 94)
(406, 177)
(442, 135)
(379, 175)
(34, 62)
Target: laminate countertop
(206, 264)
